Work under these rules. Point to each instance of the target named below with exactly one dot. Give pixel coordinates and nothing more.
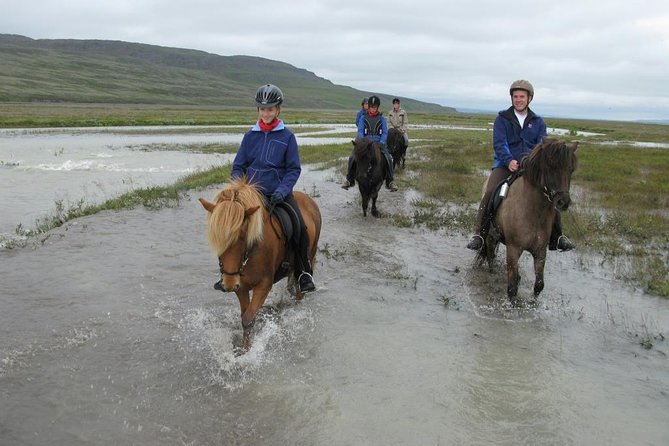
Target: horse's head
(550, 167)
(234, 225)
(367, 155)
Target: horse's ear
(251, 211)
(353, 142)
(574, 146)
(207, 205)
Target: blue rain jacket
(510, 142)
(270, 160)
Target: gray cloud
(586, 58)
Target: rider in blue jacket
(516, 131)
(269, 159)
(373, 125)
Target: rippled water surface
(42, 167)
(111, 333)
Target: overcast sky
(595, 59)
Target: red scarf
(268, 127)
(369, 112)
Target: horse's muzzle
(226, 289)
(562, 202)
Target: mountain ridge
(111, 71)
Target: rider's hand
(276, 198)
(513, 165)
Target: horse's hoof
(217, 286)
(538, 288)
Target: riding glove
(276, 198)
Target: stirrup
(475, 243)
(564, 244)
(309, 285)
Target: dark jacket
(375, 127)
(510, 142)
(270, 160)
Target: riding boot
(476, 242)
(303, 270)
(390, 183)
(350, 174)
(558, 241)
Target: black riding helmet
(374, 101)
(269, 96)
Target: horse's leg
(489, 250)
(539, 263)
(260, 293)
(513, 277)
(375, 212)
(244, 301)
(365, 203)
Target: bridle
(245, 259)
(550, 193)
(547, 191)
(240, 271)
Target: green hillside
(102, 71)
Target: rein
(271, 213)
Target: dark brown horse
(397, 146)
(250, 246)
(525, 217)
(370, 171)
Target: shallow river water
(111, 334)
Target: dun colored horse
(370, 171)
(252, 252)
(525, 217)
(397, 147)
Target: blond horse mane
(225, 221)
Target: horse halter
(240, 271)
(550, 193)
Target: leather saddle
(290, 230)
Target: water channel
(111, 332)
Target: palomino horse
(525, 217)
(252, 252)
(397, 146)
(370, 171)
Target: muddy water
(111, 333)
